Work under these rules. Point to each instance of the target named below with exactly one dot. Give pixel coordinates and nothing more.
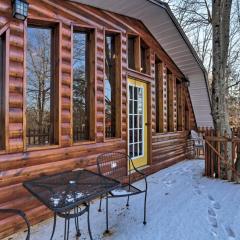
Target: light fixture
(186, 82)
(20, 9)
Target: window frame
(159, 95)
(91, 31)
(4, 38)
(179, 97)
(170, 104)
(144, 59)
(118, 84)
(56, 61)
(135, 50)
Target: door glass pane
(130, 106)
(140, 121)
(135, 107)
(131, 121)
(140, 148)
(130, 92)
(136, 121)
(136, 150)
(131, 150)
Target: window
(179, 105)
(131, 52)
(2, 66)
(81, 86)
(187, 118)
(144, 58)
(40, 87)
(159, 94)
(170, 101)
(110, 86)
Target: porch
(182, 204)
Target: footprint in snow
(211, 212)
(231, 234)
(197, 189)
(216, 205)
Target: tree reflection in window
(110, 86)
(39, 114)
(80, 86)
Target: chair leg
(127, 205)
(145, 208)
(78, 234)
(100, 204)
(54, 225)
(107, 230)
(89, 227)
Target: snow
(182, 205)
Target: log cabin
(80, 78)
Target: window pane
(39, 87)
(131, 63)
(110, 86)
(80, 86)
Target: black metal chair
(118, 166)
(22, 215)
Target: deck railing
(38, 136)
(222, 152)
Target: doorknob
(147, 124)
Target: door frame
(149, 116)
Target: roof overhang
(160, 21)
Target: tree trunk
(221, 10)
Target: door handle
(147, 124)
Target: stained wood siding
(17, 163)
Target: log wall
(17, 162)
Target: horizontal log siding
(18, 164)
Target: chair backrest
(198, 139)
(113, 165)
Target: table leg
(54, 225)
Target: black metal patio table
(69, 194)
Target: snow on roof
(159, 19)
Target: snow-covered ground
(182, 205)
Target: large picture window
(40, 87)
(110, 86)
(81, 92)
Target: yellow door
(137, 122)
